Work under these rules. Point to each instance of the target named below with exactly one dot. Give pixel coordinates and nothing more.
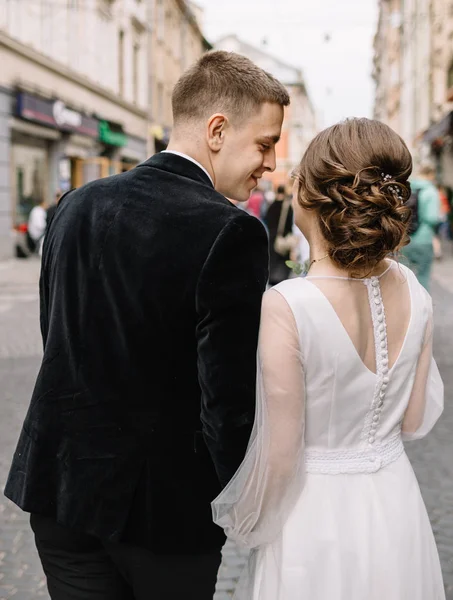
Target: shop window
(30, 179)
(90, 169)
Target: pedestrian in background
(255, 202)
(279, 222)
(269, 197)
(426, 216)
(37, 222)
(445, 210)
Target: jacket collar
(173, 163)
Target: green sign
(113, 138)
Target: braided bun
(355, 176)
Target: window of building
(183, 44)
(178, 37)
(160, 102)
(135, 73)
(105, 8)
(450, 76)
(396, 19)
(31, 178)
(168, 107)
(121, 62)
(168, 18)
(160, 20)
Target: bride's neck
(320, 264)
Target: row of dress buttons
(383, 360)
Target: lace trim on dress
(369, 460)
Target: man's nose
(270, 161)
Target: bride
(326, 497)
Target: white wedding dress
(326, 497)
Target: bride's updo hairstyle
(354, 175)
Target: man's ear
(216, 131)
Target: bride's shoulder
(296, 285)
(293, 290)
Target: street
(21, 576)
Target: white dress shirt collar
(187, 157)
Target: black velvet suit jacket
(150, 289)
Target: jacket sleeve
(256, 503)
(430, 206)
(229, 294)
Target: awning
(439, 130)
(112, 133)
(34, 130)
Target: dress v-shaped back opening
(373, 313)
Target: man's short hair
(224, 82)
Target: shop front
(159, 136)
(48, 138)
(119, 152)
(133, 152)
(55, 148)
(5, 167)
(439, 140)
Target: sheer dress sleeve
(255, 504)
(426, 403)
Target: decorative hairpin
(393, 188)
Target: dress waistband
(368, 460)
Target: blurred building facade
(73, 97)
(413, 72)
(85, 92)
(177, 41)
(387, 65)
(299, 126)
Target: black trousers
(81, 567)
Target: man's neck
(174, 146)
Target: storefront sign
(112, 134)
(64, 116)
(54, 113)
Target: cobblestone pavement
(21, 575)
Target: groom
(150, 292)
